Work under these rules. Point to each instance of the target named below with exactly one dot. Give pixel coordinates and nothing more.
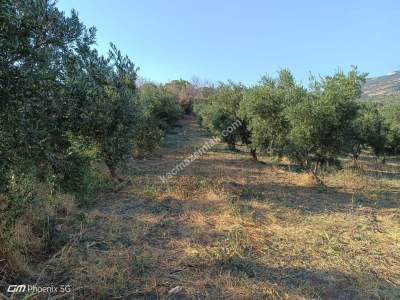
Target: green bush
(21, 196)
(160, 106)
(391, 114)
(160, 112)
(221, 111)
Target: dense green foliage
(320, 124)
(265, 109)
(67, 115)
(221, 111)
(160, 105)
(160, 111)
(109, 117)
(368, 130)
(312, 127)
(391, 116)
(39, 48)
(64, 106)
(184, 92)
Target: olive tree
(391, 116)
(111, 113)
(160, 105)
(319, 124)
(367, 130)
(160, 112)
(38, 47)
(221, 111)
(264, 108)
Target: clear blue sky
(241, 40)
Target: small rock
(175, 290)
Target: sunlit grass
(227, 227)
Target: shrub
(184, 92)
(221, 110)
(160, 106)
(148, 136)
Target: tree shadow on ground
(201, 167)
(315, 199)
(316, 283)
(381, 174)
(172, 227)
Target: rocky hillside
(383, 88)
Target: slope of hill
(383, 88)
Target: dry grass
(31, 235)
(227, 227)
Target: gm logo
(13, 288)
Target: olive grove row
(311, 126)
(64, 106)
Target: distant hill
(384, 89)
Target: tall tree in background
(185, 92)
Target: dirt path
(178, 144)
(226, 227)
